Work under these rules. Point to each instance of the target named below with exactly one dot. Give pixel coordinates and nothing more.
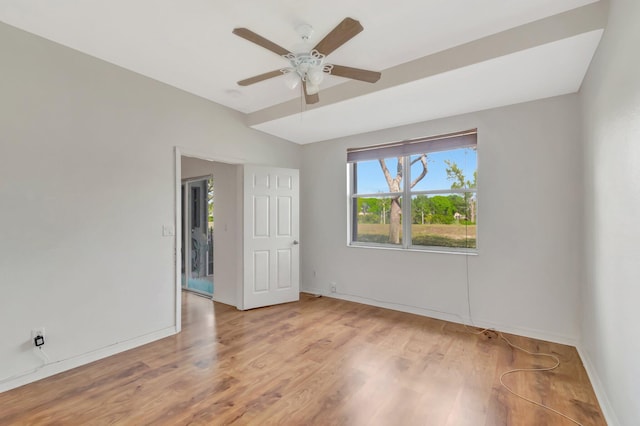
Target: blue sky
(371, 179)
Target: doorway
(223, 253)
(197, 230)
(235, 259)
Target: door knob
(295, 242)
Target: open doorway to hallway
(209, 218)
(242, 198)
(197, 225)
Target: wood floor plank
(319, 361)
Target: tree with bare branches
(395, 185)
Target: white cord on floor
(515, 370)
(470, 319)
(506, 373)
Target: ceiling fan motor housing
(309, 66)
(305, 31)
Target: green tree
(442, 209)
(210, 199)
(455, 174)
(459, 203)
(384, 210)
(459, 181)
(363, 205)
(368, 210)
(421, 207)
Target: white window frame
(406, 194)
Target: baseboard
(224, 301)
(520, 331)
(55, 367)
(528, 332)
(313, 291)
(598, 388)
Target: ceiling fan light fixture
(291, 79)
(308, 67)
(315, 76)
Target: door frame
(180, 152)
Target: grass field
(454, 235)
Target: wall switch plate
(168, 231)
(334, 287)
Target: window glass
(445, 168)
(444, 220)
(370, 178)
(378, 220)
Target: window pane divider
(421, 192)
(444, 191)
(378, 195)
(406, 203)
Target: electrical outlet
(333, 287)
(37, 335)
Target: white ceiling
(189, 45)
(550, 70)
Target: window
(415, 194)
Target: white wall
(227, 232)
(191, 167)
(611, 295)
(525, 277)
(87, 182)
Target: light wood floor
(320, 361)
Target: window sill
(430, 249)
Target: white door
(271, 232)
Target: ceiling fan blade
(356, 73)
(309, 99)
(260, 41)
(258, 78)
(341, 34)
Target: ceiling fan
(308, 66)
